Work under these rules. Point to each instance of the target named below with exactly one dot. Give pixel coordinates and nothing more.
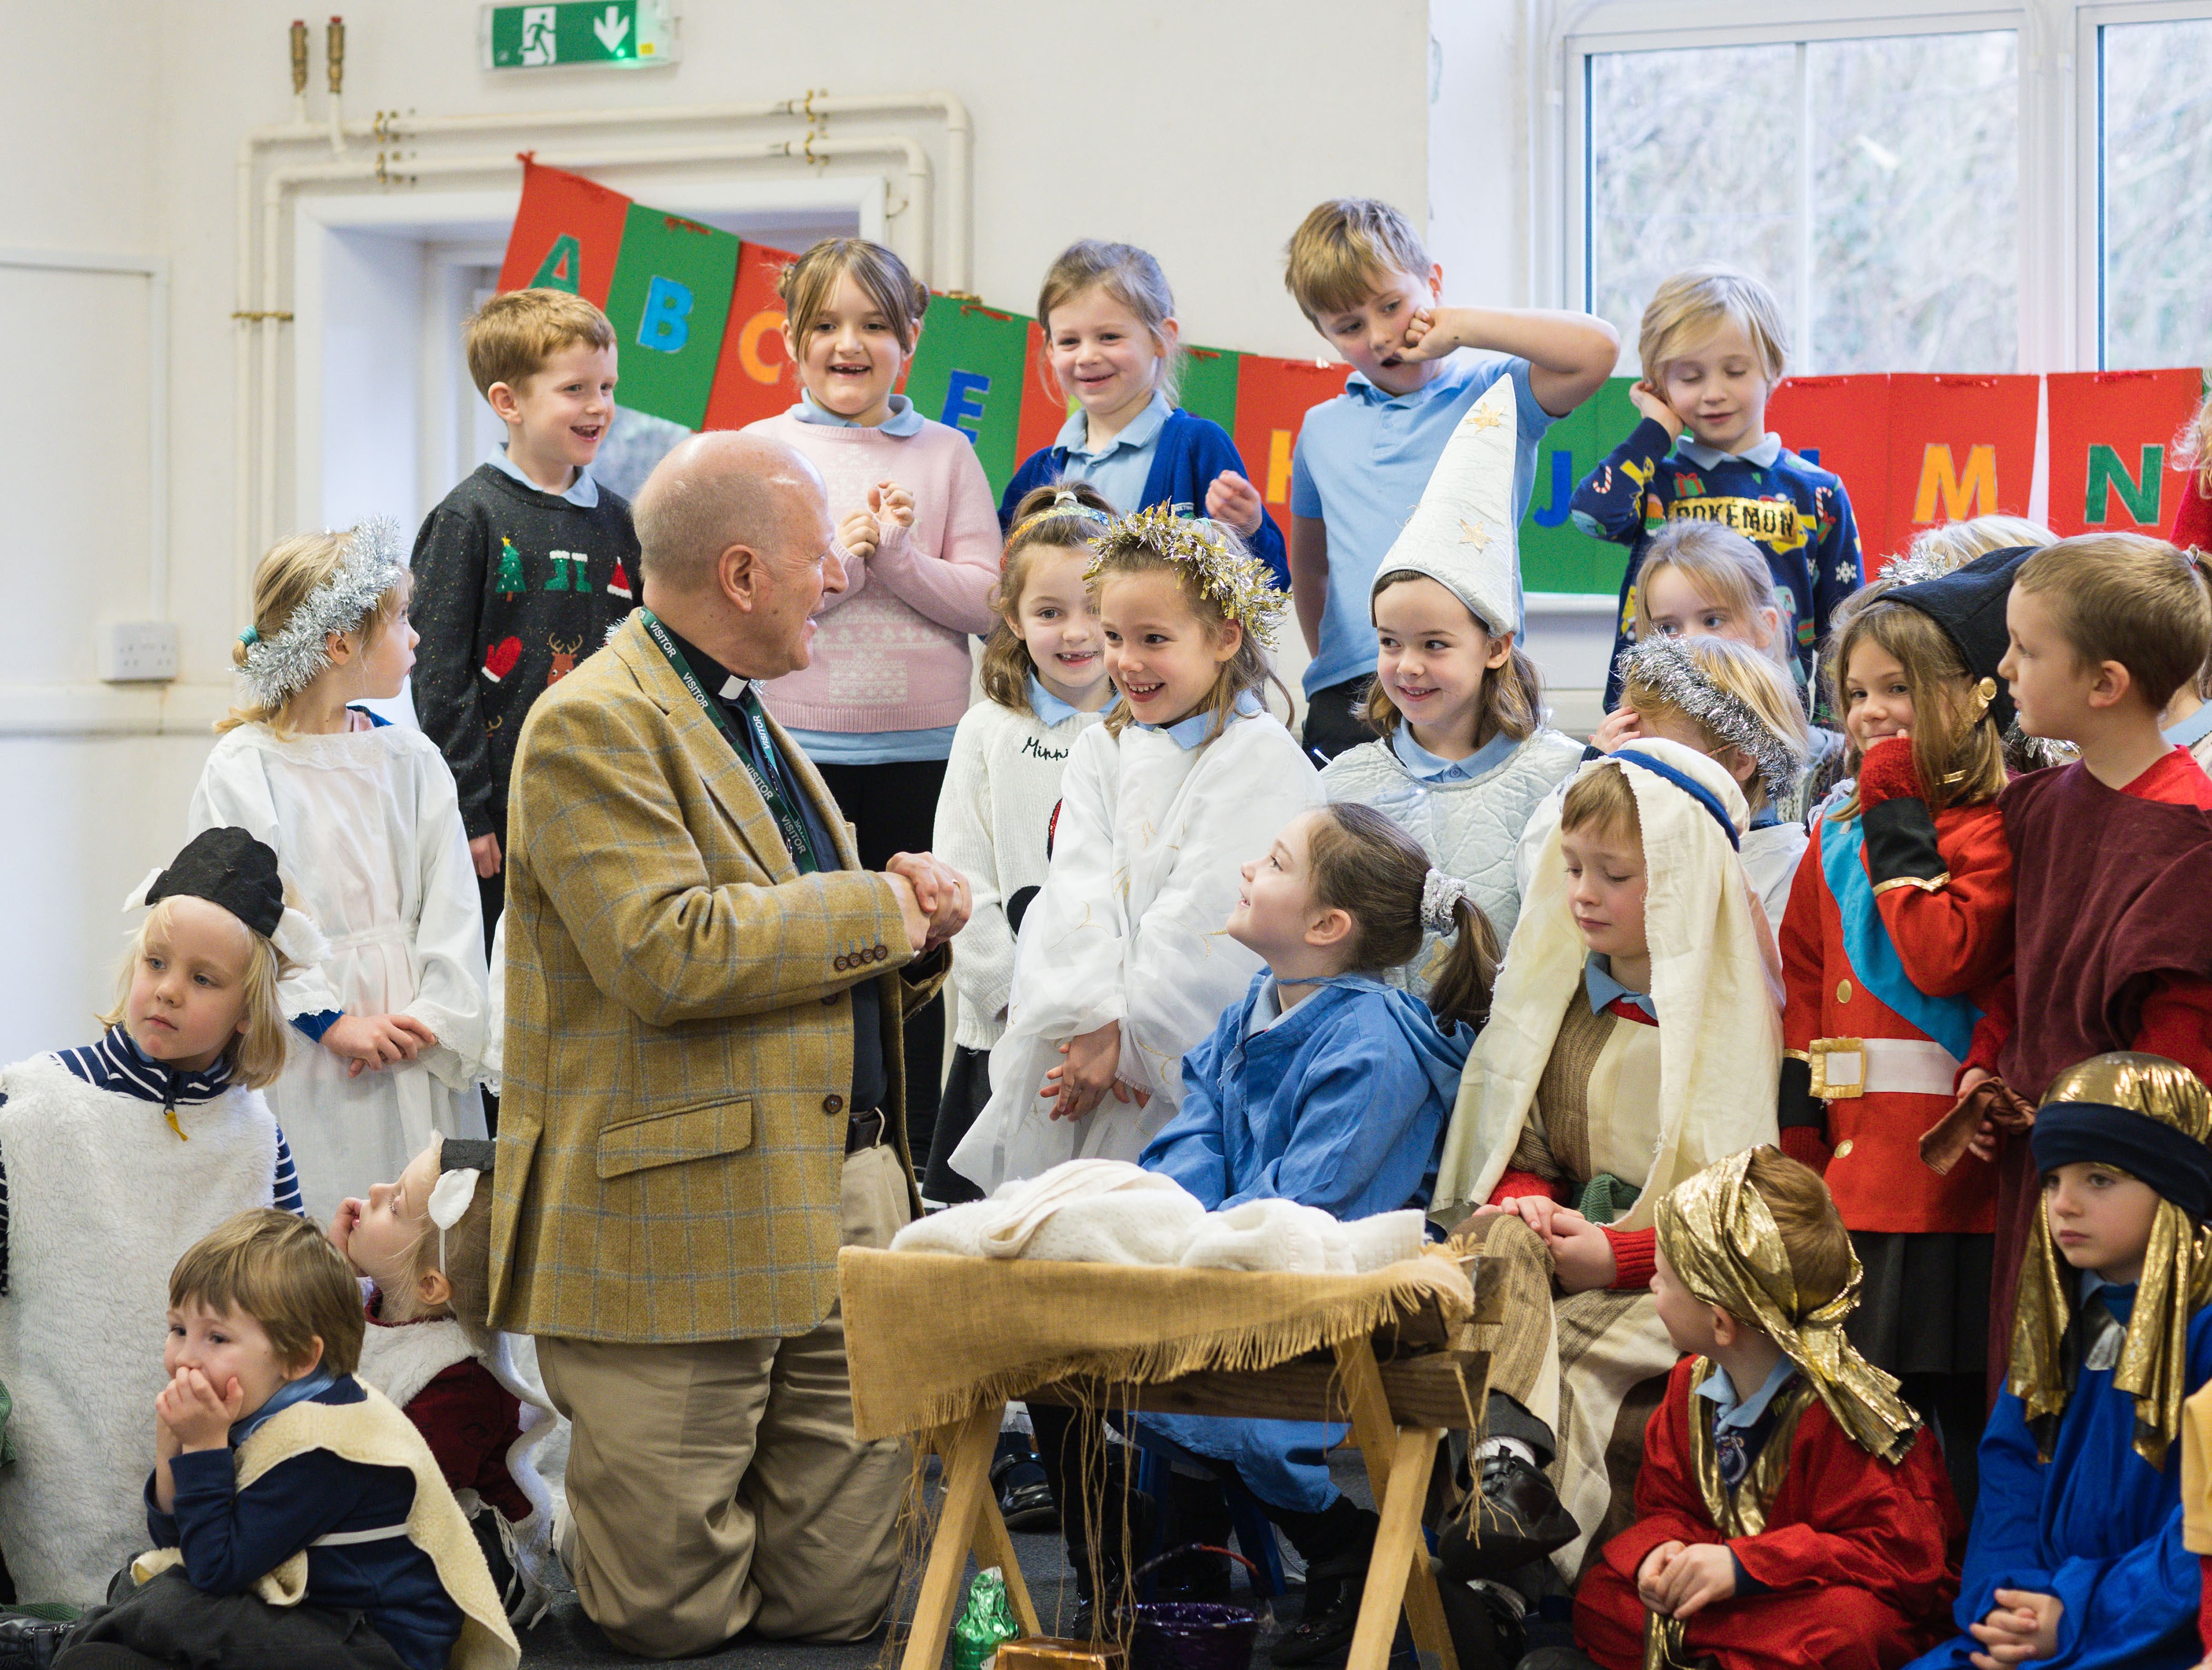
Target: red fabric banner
(1959, 448)
(752, 377)
(2112, 453)
(567, 234)
(1842, 423)
(1273, 398)
(1044, 408)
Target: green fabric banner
(1555, 554)
(968, 373)
(1209, 385)
(669, 303)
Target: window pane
(2158, 193)
(635, 444)
(1688, 164)
(1916, 201)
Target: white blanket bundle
(1110, 1212)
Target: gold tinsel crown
(1237, 583)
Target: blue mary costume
(2080, 1472)
(1340, 1103)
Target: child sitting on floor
(1790, 1509)
(116, 1156)
(425, 1243)
(2077, 1556)
(297, 1518)
(1634, 1015)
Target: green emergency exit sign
(620, 35)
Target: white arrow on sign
(610, 28)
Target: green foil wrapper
(984, 1621)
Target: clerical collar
(711, 674)
(116, 1063)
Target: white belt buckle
(1838, 1068)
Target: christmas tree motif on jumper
(618, 582)
(565, 579)
(498, 660)
(510, 582)
(564, 657)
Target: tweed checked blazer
(679, 1024)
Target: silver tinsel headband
(1664, 667)
(278, 668)
(1238, 583)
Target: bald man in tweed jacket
(704, 1098)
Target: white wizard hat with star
(1461, 535)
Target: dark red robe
(2113, 938)
(1860, 1558)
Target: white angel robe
(1154, 827)
(367, 828)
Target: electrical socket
(138, 651)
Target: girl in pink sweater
(876, 709)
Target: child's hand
(1653, 404)
(484, 852)
(343, 1222)
(369, 1043)
(1231, 499)
(858, 532)
(1536, 1210)
(1653, 1568)
(200, 1416)
(889, 498)
(1984, 1144)
(1621, 726)
(166, 1445)
(2022, 1626)
(1582, 1252)
(1425, 339)
(1692, 1580)
(1079, 1084)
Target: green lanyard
(793, 827)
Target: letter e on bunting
(967, 372)
(669, 303)
(2112, 462)
(753, 379)
(1273, 398)
(567, 234)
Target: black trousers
(893, 808)
(1333, 721)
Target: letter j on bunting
(669, 304)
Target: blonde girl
(877, 707)
(1736, 708)
(1044, 674)
(114, 1157)
(1897, 934)
(1112, 345)
(365, 819)
(1122, 963)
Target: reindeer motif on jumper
(564, 577)
(564, 657)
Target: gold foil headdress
(1724, 1246)
(1238, 583)
(2117, 1111)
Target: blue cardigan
(1190, 453)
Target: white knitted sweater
(1000, 787)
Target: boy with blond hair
(297, 1517)
(2111, 920)
(1363, 278)
(1712, 347)
(522, 569)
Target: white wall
(1202, 131)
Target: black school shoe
(30, 1643)
(1516, 1517)
(1025, 1495)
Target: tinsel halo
(1238, 582)
(1664, 666)
(278, 668)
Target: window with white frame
(1873, 183)
(2154, 104)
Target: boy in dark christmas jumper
(526, 565)
(1712, 349)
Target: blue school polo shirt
(1120, 469)
(1361, 462)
